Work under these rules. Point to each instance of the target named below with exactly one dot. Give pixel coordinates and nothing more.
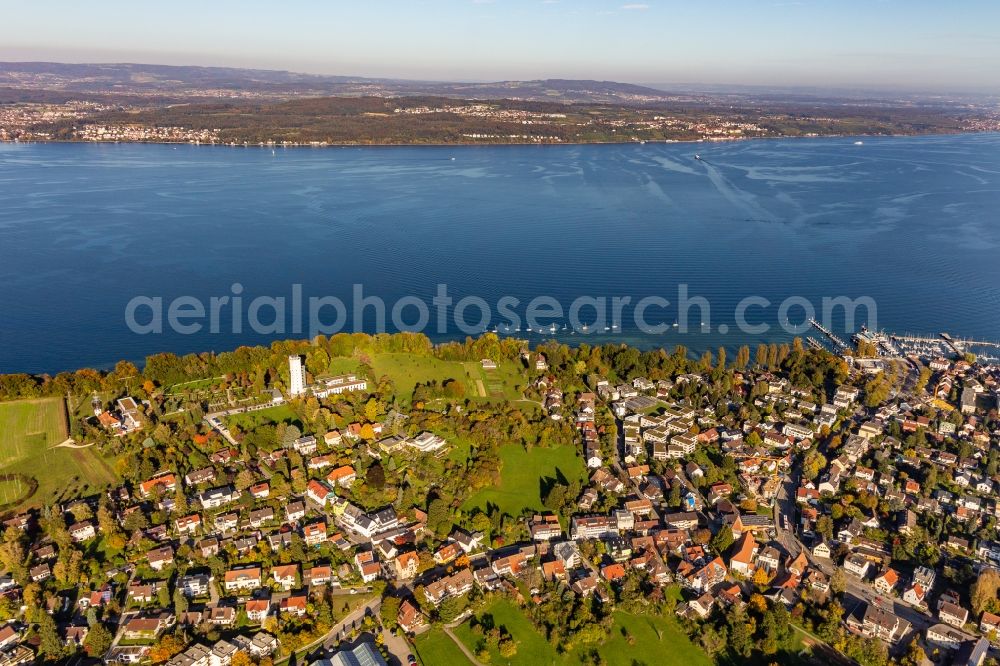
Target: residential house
(82, 531)
(342, 476)
(258, 609)
(285, 575)
(886, 582)
(874, 622)
(159, 558)
(242, 580)
(406, 565)
(294, 604)
(194, 585)
(914, 595)
(952, 614)
(295, 511)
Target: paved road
(785, 511)
(342, 628)
(857, 590)
(784, 514)
(329, 641)
(860, 591)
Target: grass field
(435, 647)
(250, 420)
(13, 489)
(340, 365)
(505, 382)
(28, 431)
(532, 648)
(656, 640)
(633, 640)
(522, 474)
(193, 386)
(407, 370)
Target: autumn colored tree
(984, 591)
(165, 648)
(241, 658)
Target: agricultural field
(30, 432)
(523, 474)
(29, 425)
(13, 488)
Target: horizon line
(667, 87)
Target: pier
(965, 344)
(841, 345)
(814, 343)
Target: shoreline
(628, 337)
(464, 144)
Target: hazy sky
(942, 45)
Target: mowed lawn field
(436, 647)
(272, 415)
(634, 639)
(29, 429)
(29, 425)
(532, 648)
(522, 476)
(656, 640)
(407, 370)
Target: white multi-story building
(297, 372)
(195, 585)
(327, 386)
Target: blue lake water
(914, 223)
